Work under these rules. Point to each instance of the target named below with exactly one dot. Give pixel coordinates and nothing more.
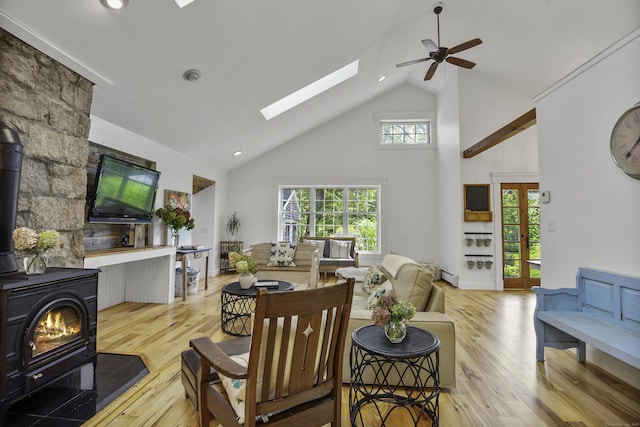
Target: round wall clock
(625, 142)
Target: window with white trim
(341, 211)
(410, 132)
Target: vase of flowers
(393, 316)
(176, 219)
(245, 266)
(35, 245)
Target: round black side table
(399, 376)
(237, 305)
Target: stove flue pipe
(10, 167)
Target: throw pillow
(384, 289)
(373, 277)
(340, 248)
(319, 243)
(282, 254)
(235, 388)
(434, 268)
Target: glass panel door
(520, 234)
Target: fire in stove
(54, 329)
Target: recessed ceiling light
(381, 78)
(114, 4)
(183, 3)
(311, 90)
(237, 153)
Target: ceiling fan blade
(415, 61)
(465, 46)
(430, 45)
(460, 62)
(431, 71)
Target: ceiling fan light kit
(439, 53)
(191, 75)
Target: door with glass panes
(520, 234)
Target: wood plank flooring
(499, 382)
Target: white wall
(485, 106)
(470, 108)
(343, 151)
(594, 205)
(449, 206)
(177, 172)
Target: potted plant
(233, 225)
(176, 219)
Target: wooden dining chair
(292, 373)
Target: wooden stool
(190, 365)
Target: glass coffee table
(237, 305)
(405, 376)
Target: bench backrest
(610, 296)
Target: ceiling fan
(440, 53)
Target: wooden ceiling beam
(523, 122)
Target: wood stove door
(56, 328)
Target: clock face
(625, 142)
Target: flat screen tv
(123, 192)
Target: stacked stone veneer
(49, 106)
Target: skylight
(311, 90)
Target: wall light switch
(551, 225)
(545, 196)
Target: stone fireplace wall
(49, 106)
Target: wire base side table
(387, 377)
(237, 306)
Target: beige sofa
(305, 272)
(410, 282)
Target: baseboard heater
(450, 277)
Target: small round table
(237, 305)
(395, 376)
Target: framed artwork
(178, 199)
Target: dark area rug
(77, 397)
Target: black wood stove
(48, 326)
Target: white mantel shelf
(144, 274)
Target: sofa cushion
(339, 249)
(372, 278)
(320, 243)
(411, 282)
(382, 290)
(282, 254)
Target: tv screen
(123, 192)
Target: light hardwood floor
(499, 382)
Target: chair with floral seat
(292, 373)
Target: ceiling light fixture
(381, 78)
(237, 153)
(311, 90)
(183, 3)
(191, 75)
(115, 4)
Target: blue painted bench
(603, 310)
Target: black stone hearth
(65, 404)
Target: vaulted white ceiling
(253, 52)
